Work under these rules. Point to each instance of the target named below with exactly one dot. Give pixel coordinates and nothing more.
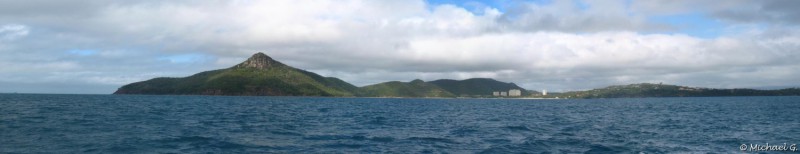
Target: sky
(96, 46)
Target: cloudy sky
(96, 46)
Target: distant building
(514, 92)
(496, 93)
(503, 93)
(544, 92)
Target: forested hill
(476, 87)
(259, 75)
(662, 90)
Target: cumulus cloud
(775, 12)
(739, 11)
(12, 31)
(563, 45)
(577, 16)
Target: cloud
(738, 11)
(13, 31)
(774, 12)
(576, 16)
(562, 45)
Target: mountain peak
(260, 61)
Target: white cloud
(13, 31)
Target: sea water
(39, 123)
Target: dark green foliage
(330, 81)
(274, 80)
(659, 90)
(416, 88)
(476, 87)
(260, 75)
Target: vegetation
(260, 75)
(275, 80)
(476, 87)
(416, 88)
(660, 90)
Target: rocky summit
(259, 61)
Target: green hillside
(260, 75)
(476, 87)
(415, 88)
(661, 90)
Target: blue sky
(75, 46)
(476, 6)
(695, 23)
(692, 23)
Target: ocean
(44, 123)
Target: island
(260, 75)
(664, 90)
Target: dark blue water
(195, 124)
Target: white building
(544, 92)
(496, 93)
(503, 93)
(514, 92)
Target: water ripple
(207, 124)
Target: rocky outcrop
(260, 61)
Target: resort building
(514, 92)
